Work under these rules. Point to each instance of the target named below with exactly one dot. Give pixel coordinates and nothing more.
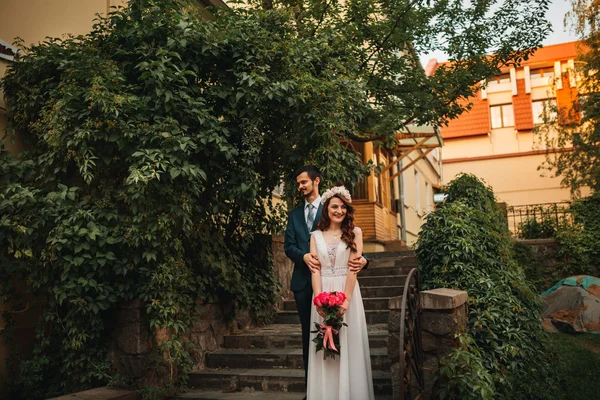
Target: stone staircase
(266, 362)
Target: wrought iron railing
(538, 221)
(412, 383)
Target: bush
(465, 244)
(543, 227)
(578, 249)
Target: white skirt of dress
(349, 376)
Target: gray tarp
(573, 305)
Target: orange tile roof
(522, 108)
(555, 52)
(551, 53)
(470, 123)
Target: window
(547, 72)
(418, 192)
(543, 111)
(503, 78)
(502, 116)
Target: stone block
(128, 315)
(102, 393)
(395, 373)
(135, 303)
(394, 321)
(430, 375)
(429, 342)
(440, 323)
(442, 299)
(394, 346)
(395, 303)
(201, 326)
(132, 339)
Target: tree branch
(321, 18)
(389, 35)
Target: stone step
(372, 316)
(411, 262)
(390, 280)
(277, 358)
(374, 303)
(385, 270)
(268, 380)
(290, 336)
(381, 291)
(249, 394)
(391, 254)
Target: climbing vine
(465, 244)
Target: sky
(556, 15)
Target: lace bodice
(332, 249)
(333, 256)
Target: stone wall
(444, 314)
(212, 326)
(544, 251)
(132, 342)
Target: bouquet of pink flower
(328, 338)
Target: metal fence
(538, 221)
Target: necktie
(311, 216)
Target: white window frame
(538, 115)
(507, 119)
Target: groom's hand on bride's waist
(313, 262)
(356, 264)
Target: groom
(301, 222)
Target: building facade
(495, 140)
(392, 202)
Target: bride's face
(337, 210)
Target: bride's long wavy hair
(347, 224)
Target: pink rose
(340, 297)
(321, 299)
(332, 301)
(317, 301)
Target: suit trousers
(304, 304)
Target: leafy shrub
(538, 228)
(578, 248)
(465, 244)
(526, 259)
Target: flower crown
(339, 190)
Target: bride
(348, 376)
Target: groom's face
(306, 186)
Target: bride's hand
(344, 307)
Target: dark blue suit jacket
(297, 244)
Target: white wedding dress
(349, 376)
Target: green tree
(574, 129)
(379, 41)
